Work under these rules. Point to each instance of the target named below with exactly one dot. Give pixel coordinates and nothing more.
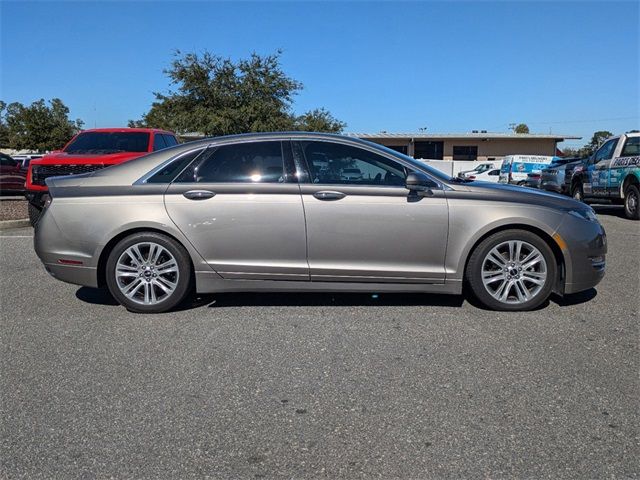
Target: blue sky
(565, 67)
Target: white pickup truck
(612, 173)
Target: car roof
(127, 129)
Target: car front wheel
(632, 202)
(577, 193)
(512, 270)
(148, 273)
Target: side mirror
(418, 182)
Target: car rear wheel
(512, 270)
(632, 202)
(148, 273)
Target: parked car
(612, 174)
(486, 176)
(88, 151)
(203, 216)
(483, 167)
(514, 168)
(12, 178)
(557, 178)
(25, 159)
(534, 179)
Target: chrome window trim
(143, 180)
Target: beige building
(477, 145)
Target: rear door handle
(329, 195)
(199, 194)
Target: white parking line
(16, 236)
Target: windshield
(109, 142)
(419, 165)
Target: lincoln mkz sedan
(287, 212)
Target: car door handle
(329, 195)
(198, 194)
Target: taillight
(471, 177)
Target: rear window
(109, 142)
(631, 147)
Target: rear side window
(173, 168)
(158, 142)
(631, 147)
(170, 140)
(253, 162)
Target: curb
(14, 198)
(7, 224)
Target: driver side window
(605, 152)
(338, 164)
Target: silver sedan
(282, 212)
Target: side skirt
(209, 282)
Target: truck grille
(40, 173)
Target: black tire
(632, 202)
(473, 273)
(184, 272)
(577, 192)
(521, 184)
(34, 214)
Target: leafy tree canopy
(37, 126)
(216, 96)
(521, 128)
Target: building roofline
(471, 135)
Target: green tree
(318, 120)
(521, 128)
(39, 126)
(598, 139)
(216, 96)
(4, 130)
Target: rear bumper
(78, 275)
(62, 257)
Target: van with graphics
(612, 174)
(515, 168)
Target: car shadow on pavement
(96, 296)
(610, 210)
(574, 298)
(313, 299)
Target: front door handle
(329, 195)
(198, 194)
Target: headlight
(587, 214)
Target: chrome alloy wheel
(514, 272)
(147, 273)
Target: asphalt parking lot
(319, 385)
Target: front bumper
(584, 246)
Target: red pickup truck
(88, 151)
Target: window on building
(252, 162)
(465, 153)
(398, 148)
(428, 150)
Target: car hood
(524, 195)
(86, 159)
